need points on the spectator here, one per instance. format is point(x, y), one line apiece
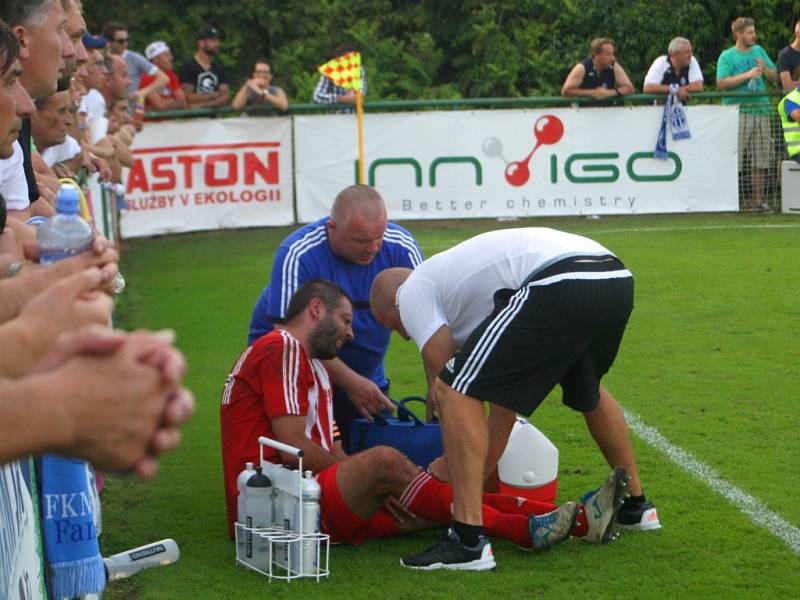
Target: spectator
point(789, 110)
point(170, 96)
point(93, 103)
point(116, 84)
point(41, 24)
point(75, 29)
point(137, 65)
point(328, 92)
point(203, 79)
point(50, 125)
point(741, 68)
point(349, 247)
point(600, 76)
point(789, 63)
point(258, 90)
point(678, 67)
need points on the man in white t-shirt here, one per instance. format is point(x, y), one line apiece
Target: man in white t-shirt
point(503, 317)
point(679, 67)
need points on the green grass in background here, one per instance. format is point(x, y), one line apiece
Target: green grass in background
point(710, 359)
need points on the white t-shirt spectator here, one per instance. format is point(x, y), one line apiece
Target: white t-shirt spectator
point(660, 65)
point(456, 287)
point(12, 181)
point(93, 105)
point(70, 148)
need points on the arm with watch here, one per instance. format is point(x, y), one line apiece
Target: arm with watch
point(274, 95)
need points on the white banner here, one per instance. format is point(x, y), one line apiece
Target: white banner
point(515, 163)
point(209, 174)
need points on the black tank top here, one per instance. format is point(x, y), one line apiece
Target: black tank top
point(592, 79)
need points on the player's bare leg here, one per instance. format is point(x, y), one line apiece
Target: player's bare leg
point(466, 441)
point(607, 425)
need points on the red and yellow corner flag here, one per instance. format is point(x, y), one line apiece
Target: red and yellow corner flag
point(344, 71)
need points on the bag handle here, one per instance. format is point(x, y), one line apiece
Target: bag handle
point(405, 414)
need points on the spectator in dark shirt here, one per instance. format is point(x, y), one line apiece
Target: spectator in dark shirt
point(258, 90)
point(789, 63)
point(202, 78)
point(599, 76)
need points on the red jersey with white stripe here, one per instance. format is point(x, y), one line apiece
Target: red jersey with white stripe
point(272, 378)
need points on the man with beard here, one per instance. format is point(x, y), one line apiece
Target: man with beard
point(202, 78)
point(280, 388)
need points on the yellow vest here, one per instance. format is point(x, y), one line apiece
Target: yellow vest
point(791, 129)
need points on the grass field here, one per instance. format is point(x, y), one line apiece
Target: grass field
point(710, 360)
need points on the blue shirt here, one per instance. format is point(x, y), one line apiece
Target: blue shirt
point(306, 255)
point(790, 107)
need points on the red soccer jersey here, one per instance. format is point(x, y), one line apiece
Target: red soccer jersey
point(272, 378)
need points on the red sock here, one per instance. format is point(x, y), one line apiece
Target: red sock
point(429, 498)
point(517, 505)
point(581, 526)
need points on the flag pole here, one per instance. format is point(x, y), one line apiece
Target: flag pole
point(360, 120)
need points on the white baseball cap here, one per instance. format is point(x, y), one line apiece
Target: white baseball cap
point(154, 49)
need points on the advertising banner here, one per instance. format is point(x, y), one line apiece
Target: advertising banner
point(202, 174)
point(521, 163)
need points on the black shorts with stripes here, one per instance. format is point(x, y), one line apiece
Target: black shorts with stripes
point(564, 326)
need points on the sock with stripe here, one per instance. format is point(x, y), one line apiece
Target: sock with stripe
point(429, 498)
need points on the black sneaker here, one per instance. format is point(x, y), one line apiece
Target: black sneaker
point(641, 518)
point(450, 553)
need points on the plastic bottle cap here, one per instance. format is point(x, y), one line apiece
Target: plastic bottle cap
point(68, 200)
point(248, 466)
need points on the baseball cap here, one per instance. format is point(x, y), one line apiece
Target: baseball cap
point(206, 32)
point(92, 42)
point(155, 48)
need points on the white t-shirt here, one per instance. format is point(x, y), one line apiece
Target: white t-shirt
point(456, 287)
point(13, 185)
point(660, 65)
point(68, 149)
point(93, 105)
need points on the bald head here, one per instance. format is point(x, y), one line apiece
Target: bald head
point(358, 199)
point(382, 297)
point(357, 223)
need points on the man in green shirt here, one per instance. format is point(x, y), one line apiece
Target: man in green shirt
point(745, 67)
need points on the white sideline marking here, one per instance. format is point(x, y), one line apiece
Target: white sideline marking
point(447, 243)
point(756, 510)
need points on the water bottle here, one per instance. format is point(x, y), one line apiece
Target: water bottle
point(241, 485)
point(310, 507)
point(241, 507)
point(258, 492)
point(752, 85)
point(65, 234)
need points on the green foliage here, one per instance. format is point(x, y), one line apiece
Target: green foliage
point(432, 49)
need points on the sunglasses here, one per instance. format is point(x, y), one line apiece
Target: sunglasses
point(122, 40)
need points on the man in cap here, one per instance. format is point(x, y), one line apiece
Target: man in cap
point(202, 78)
point(171, 95)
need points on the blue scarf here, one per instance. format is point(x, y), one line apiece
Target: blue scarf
point(674, 115)
point(75, 567)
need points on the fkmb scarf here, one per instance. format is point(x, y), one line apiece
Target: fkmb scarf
point(74, 565)
point(674, 115)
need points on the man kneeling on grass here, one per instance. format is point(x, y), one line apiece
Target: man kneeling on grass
point(279, 388)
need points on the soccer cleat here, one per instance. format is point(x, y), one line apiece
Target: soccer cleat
point(450, 553)
point(549, 529)
point(602, 505)
point(642, 518)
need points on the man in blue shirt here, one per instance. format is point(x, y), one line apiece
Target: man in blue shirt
point(350, 247)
